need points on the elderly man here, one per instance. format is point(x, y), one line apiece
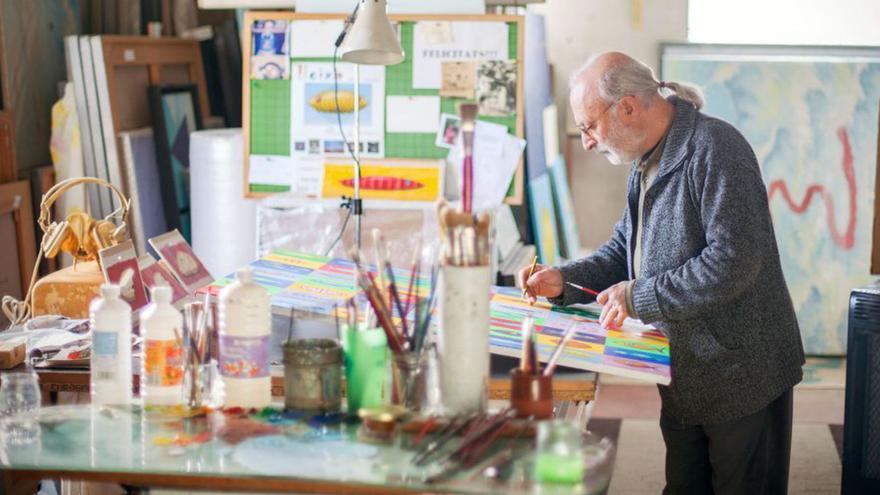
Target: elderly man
point(695, 255)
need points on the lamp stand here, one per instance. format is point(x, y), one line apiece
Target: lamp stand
point(357, 204)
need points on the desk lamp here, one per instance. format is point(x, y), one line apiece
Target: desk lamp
point(370, 40)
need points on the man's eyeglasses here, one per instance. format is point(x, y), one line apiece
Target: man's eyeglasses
point(590, 130)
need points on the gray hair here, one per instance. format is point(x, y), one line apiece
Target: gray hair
point(637, 79)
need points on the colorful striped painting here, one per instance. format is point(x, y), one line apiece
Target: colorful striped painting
point(300, 280)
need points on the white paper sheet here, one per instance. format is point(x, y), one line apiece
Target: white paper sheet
point(412, 114)
point(314, 38)
point(314, 129)
point(308, 178)
point(471, 40)
point(394, 6)
point(270, 170)
point(496, 155)
point(506, 232)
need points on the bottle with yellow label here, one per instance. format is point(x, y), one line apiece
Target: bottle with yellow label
point(162, 365)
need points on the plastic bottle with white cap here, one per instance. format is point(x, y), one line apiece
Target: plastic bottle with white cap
point(162, 364)
point(111, 370)
point(245, 315)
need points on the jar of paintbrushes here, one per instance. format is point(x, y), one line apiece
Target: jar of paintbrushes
point(463, 333)
point(200, 370)
point(397, 316)
point(531, 387)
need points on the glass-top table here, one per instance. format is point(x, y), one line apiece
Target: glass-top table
point(271, 451)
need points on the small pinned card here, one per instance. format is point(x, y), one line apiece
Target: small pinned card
point(458, 79)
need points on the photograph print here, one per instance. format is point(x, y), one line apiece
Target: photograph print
point(496, 87)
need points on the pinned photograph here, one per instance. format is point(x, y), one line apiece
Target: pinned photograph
point(299, 146)
point(334, 147)
point(450, 125)
point(459, 79)
point(270, 37)
point(496, 87)
point(314, 147)
point(270, 67)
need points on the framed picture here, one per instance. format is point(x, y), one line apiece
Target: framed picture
point(810, 114)
point(567, 223)
point(176, 115)
point(543, 214)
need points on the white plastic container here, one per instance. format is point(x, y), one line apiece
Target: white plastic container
point(162, 364)
point(463, 339)
point(111, 348)
point(245, 329)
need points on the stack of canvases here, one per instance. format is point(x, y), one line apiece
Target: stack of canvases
point(135, 124)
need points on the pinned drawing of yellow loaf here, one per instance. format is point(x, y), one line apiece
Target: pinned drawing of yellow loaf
point(325, 102)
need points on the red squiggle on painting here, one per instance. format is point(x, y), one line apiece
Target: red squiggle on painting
point(846, 239)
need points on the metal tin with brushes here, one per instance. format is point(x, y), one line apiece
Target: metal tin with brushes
point(313, 375)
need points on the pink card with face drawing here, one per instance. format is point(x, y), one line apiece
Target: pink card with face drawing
point(120, 266)
point(156, 273)
point(182, 261)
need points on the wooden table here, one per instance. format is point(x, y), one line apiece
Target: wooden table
point(572, 391)
point(574, 387)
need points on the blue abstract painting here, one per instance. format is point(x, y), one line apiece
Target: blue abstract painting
point(811, 115)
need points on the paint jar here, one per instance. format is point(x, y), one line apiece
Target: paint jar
point(313, 375)
point(202, 386)
point(559, 456)
point(366, 368)
point(463, 338)
point(531, 395)
point(408, 376)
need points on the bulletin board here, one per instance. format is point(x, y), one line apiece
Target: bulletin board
point(288, 80)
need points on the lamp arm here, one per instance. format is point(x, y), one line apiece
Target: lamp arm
point(349, 21)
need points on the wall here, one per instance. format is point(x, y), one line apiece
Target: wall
point(577, 29)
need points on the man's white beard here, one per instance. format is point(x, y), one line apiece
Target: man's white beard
point(616, 134)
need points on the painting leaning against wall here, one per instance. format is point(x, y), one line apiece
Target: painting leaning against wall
point(811, 115)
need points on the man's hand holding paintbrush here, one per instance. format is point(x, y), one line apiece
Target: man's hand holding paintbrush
point(543, 281)
point(547, 281)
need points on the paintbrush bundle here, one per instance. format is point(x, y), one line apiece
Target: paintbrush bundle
point(403, 316)
point(466, 238)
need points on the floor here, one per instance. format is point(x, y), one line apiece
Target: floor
point(628, 412)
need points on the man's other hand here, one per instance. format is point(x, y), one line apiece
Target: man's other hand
point(613, 301)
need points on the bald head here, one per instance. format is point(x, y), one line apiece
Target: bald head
point(617, 106)
point(613, 75)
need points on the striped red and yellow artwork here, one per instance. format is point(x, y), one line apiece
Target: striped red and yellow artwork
point(393, 180)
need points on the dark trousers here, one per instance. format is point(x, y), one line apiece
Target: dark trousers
point(748, 455)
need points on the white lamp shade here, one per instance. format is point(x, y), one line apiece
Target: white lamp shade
point(371, 40)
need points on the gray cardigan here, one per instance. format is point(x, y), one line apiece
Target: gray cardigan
point(710, 274)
